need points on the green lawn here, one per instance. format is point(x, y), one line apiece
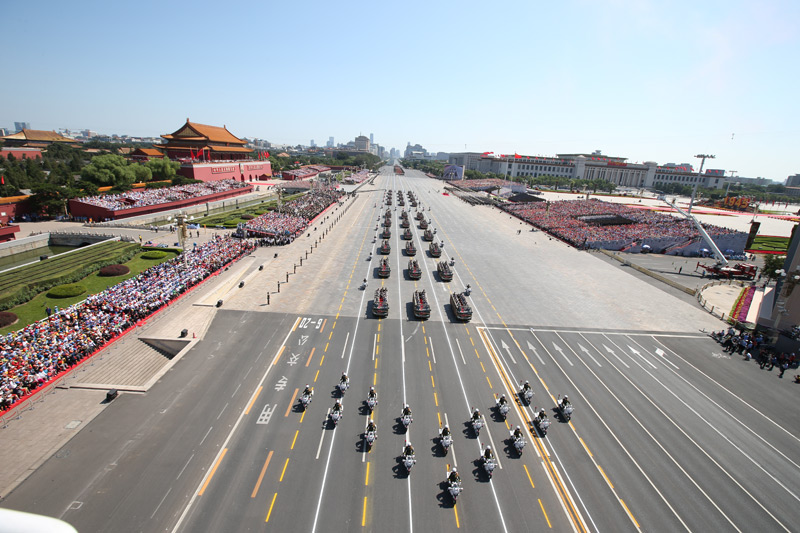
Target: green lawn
point(35, 309)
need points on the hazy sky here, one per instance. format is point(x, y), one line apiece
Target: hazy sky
point(658, 81)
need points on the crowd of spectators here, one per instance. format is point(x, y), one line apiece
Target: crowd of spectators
point(597, 224)
point(752, 346)
point(485, 184)
point(40, 351)
point(282, 227)
point(145, 197)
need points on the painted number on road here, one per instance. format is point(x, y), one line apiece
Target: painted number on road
point(266, 414)
point(281, 384)
point(305, 322)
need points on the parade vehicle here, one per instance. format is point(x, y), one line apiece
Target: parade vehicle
point(411, 249)
point(401, 202)
point(445, 274)
point(460, 307)
point(420, 216)
point(384, 269)
point(387, 222)
point(427, 236)
point(434, 250)
point(423, 224)
point(388, 213)
point(404, 214)
point(422, 308)
point(389, 200)
point(405, 224)
point(386, 234)
point(385, 248)
point(737, 271)
point(380, 305)
point(414, 272)
point(407, 234)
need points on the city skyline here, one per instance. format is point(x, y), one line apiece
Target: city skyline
point(634, 79)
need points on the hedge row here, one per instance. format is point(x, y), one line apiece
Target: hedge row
point(27, 292)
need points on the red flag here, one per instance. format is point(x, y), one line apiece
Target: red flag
point(2, 180)
point(191, 154)
point(487, 153)
point(517, 156)
point(267, 154)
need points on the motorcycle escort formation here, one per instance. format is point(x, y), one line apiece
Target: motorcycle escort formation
point(306, 397)
point(434, 250)
point(370, 434)
point(337, 412)
point(454, 486)
point(445, 273)
point(405, 417)
point(460, 307)
point(380, 305)
point(518, 439)
point(565, 407)
point(343, 385)
point(502, 406)
point(489, 461)
point(414, 272)
point(409, 458)
point(541, 421)
point(445, 439)
point(372, 400)
point(422, 309)
point(411, 250)
point(477, 422)
point(384, 270)
point(526, 392)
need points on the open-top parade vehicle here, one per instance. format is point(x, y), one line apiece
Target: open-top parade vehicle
point(407, 234)
point(422, 309)
point(386, 234)
point(434, 250)
point(388, 213)
point(411, 249)
point(404, 223)
point(384, 269)
point(427, 236)
point(739, 270)
point(420, 216)
point(380, 305)
point(387, 223)
point(461, 309)
point(385, 248)
point(423, 224)
point(445, 274)
point(414, 272)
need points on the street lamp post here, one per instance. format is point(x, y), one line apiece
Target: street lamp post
point(703, 158)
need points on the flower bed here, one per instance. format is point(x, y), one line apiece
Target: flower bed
point(742, 305)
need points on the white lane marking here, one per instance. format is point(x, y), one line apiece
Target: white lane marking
point(160, 503)
point(643, 358)
point(663, 356)
point(557, 348)
point(532, 348)
point(184, 466)
point(433, 354)
point(586, 351)
point(324, 429)
point(239, 385)
point(374, 345)
point(460, 352)
point(347, 338)
point(508, 351)
point(207, 432)
point(230, 434)
point(612, 352)
point(223, 410)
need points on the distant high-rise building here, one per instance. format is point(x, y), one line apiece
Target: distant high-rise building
point(313, 144)
point(793, 181)
point(371, 138)
point(19, 126)
point(329, 144)
point(362, 143)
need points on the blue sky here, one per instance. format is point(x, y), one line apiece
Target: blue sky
point(658, 81)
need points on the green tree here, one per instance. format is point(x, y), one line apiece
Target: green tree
point(773, 263)
point(48, 199)
point(163, 168)
point(113, 170)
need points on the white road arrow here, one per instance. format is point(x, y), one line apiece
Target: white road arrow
point(559, 350)
point(532, 348)
point(609, 350)
point(636, 352)
point(662, 354)
point(505, 347)
point(586, 351)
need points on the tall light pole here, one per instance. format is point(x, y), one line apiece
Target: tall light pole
point(703, 158)
point(733, 175)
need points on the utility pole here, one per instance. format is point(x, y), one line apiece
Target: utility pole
point(733, 175)
point(703, 158)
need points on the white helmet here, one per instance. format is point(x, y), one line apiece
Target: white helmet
point(372, 388)
point(370, 421)
point(566, 397)
point(541, 410)
point(454, 470)
point(338, 402)
point(446, 426)
point(517, 427)
point(489, 448)
point(526, 382)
